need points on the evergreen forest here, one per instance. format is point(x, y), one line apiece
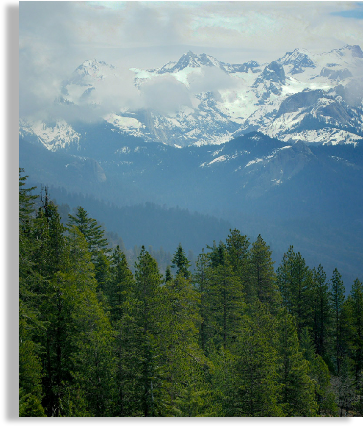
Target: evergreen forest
point(232, 337)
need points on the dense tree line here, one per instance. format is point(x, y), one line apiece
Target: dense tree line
point(231, 338)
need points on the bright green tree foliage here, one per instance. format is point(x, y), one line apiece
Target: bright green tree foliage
point(296, 397)
point(319, 374)
point(143, 312)
point(236, 253)
point(92, 231)
point(91, 335)
point(231, 339)
point(181, 358)
point(256, 368)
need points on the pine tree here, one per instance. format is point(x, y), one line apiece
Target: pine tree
point(236, 252)
point(97, 246)
point(168, 275)
point(138, 338)
point(50, 258)
point(225, 299)
point(256, 364)
point(262, 274)
point(181, 360)
point(50, 255)
point(337, 298)
point(356, 303)
point(181, 263)
point(321, 312)
point(320, 376)
point(30, 367)
point(102, 273)
point(201, 285)
point(294, 279)
point(26, 201)
point(88, 335)
point(120, 284)
point(296, 389)
point(92, 231)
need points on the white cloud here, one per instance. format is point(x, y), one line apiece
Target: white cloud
point(165, 94)
point(212, 79)
point(56, 37)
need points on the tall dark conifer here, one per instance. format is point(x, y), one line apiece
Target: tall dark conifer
point(337, 297)
point(321, 312)
point(181, 263)
point(262, 274)
point(294, 280)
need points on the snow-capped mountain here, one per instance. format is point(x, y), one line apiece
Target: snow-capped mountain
point(199, 100)
point(276, 148)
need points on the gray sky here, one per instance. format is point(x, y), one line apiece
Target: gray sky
point(56, 37)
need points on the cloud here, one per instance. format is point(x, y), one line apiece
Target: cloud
point(114, 93)
point(56, 37)
point(45, 39)
point(165, 94)
point(212, 79)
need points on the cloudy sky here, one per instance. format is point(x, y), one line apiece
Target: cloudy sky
point(56, 37)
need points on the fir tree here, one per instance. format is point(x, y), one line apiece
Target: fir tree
point(296, 389)
point(321, 312)
point(168, 275)
point(256, 363)
point(181, 263)
point(337, 300)
point(201, 285)
point(92, 231)
point(356, 303)
point(120, 284)
point(225, 299)
point(236, 253)
point(140, 352)
point(262, 274)
point(181, 360)
point(294, 280)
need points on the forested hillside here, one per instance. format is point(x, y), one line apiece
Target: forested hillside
point(232, 338)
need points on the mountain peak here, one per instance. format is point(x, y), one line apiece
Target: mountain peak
point(93, 67)
point(89, 71)
point(274, 72)
point(190, 54)
point(299, 59)
point(89, 62)
point(355, 50)
point(192, 60)
point(93, 63)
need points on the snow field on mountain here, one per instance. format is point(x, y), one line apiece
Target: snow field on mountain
point(217, 100)
point(53, 138)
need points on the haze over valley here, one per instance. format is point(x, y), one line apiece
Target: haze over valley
point(272, 148)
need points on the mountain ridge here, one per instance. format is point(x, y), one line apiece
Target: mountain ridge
point(206, 101)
